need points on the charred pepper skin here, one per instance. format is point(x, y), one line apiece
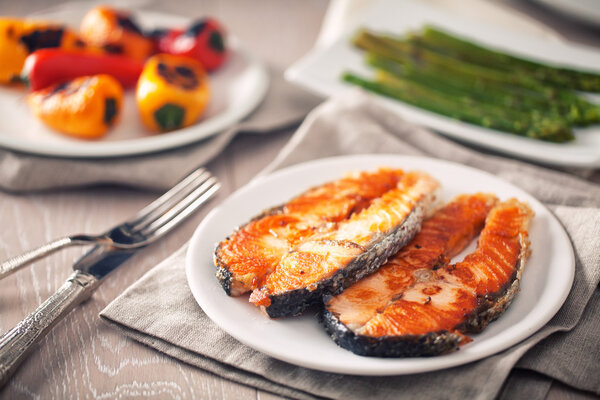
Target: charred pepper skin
point(85, 107)
point(204, 40)
point(21, 37)
point(116, 32)
point(172, 92)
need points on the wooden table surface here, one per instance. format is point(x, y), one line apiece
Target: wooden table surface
point(82, 357)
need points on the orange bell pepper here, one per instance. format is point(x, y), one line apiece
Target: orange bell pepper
point(116, 32)
point(85, 107)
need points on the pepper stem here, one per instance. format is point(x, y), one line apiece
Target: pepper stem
point(170, 116)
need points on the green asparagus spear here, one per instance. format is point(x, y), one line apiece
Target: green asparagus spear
point(539, 122)
point(440, 41)
point(576, 110)
point(456, 86)
point(401, 51)
point(398, 50)
point(574, 107)
point(533, 125)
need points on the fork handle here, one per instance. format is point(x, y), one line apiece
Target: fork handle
point(16, 263)
point(16, 343)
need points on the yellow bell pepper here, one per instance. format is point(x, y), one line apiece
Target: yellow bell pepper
point(172, 92)
point(116, 32)
point(85, 107)
point(21, 37)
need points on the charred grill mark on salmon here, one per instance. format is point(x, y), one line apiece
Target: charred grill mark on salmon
point(254, 250)
point(327, 263)
point(430, 316)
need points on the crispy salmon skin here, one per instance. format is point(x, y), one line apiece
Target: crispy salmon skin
point(419, 305)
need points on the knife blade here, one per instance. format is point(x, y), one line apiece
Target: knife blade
point(101, 260)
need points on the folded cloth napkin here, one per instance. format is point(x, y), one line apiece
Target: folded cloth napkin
point(19, 172)
point(567, 348)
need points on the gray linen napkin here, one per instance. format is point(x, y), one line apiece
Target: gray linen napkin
point(353, 124)
point(19, 172)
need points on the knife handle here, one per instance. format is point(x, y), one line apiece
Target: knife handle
point(16, 344)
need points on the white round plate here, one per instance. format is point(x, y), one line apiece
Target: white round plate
point(301, 340)
point(237, 88)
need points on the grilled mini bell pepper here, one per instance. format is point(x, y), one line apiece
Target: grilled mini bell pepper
point(204, 40)
point(85, 107)
point(116, 32)
point(172, 92)
point(49, 66)
point(21, 37)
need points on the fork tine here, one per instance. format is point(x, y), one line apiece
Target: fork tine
point(164, 202)
point(180, 211)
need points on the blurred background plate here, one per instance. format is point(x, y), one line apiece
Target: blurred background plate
point(320, 72)
point(237, 89)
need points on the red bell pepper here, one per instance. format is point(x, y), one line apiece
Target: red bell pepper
point(204, 40)
point(49, 66)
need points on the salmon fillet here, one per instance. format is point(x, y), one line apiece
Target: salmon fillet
point(253, 251)
point(442, 237)
point(434, 305)
point(328, 262)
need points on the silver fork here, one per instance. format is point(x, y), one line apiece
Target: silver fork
point(149, 224)
point(115, 246)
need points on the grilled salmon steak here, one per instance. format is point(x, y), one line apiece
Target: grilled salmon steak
point(253, 251)
point(442, 237)
point(328, 262)
point(418, 305)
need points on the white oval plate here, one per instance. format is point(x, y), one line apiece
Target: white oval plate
point(320, 71)
point(237, 88)
point(301, 340)
point(587, 11)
